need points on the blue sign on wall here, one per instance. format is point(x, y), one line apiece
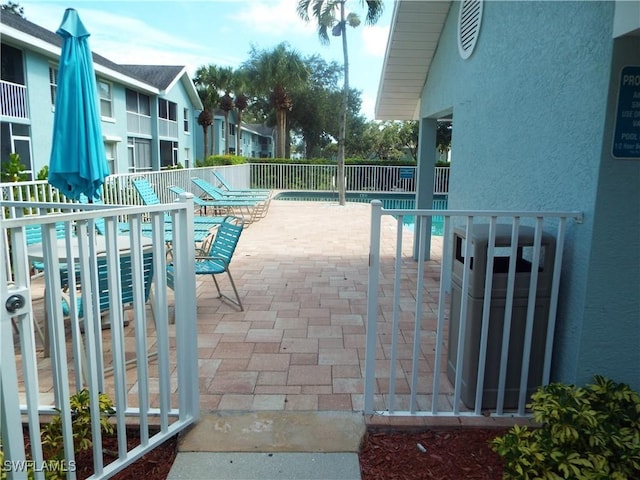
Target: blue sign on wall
point(626, 137)
point(406, 172)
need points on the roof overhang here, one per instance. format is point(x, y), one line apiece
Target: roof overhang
point(189, 87)
point(53, 52)
point(413, 39)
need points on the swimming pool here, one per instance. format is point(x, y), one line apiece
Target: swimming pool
point(389, 200)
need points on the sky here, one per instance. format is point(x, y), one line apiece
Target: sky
point(220, 32)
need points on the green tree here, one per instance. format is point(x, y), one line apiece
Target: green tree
point(443, 138)
point(13, 7)
point(277, 73)
point(388, 143)
point(330, 15)
point(408, 136)
point(313, 114)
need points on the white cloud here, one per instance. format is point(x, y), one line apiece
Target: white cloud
point(375, 39)
point(273, 18)
point(368, 106)
point(127, 40)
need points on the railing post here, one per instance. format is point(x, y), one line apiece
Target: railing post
point(185, 303)
point(372, 307)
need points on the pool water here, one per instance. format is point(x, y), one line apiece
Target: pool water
point(392, 200)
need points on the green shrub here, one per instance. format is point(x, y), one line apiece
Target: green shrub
point(585, 433)
point(43, 173)
point(52, 440)
point(13, 170)
point(54, 467)
point(3, 472)
point(215, 160)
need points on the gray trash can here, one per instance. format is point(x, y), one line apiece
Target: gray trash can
point(479, 243)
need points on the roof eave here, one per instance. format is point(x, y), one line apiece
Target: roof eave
point(53, 52)
point(413, 40)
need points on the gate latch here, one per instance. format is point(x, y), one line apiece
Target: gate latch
point(14, 303)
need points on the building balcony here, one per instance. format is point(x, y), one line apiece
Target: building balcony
point(13, 100)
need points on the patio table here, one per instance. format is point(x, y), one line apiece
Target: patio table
point(36, 253)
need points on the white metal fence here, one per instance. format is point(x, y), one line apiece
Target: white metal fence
point(359, 178)
point(476, 334)
point(149, 370)
point(118, 189)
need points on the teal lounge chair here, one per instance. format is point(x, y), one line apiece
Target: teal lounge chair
point(220, 193)
point(243, 208)
point(215, 256)
point(149, 197)
point(242, 191)
point(260, 205)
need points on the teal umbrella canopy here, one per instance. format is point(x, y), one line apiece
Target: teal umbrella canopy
point(78, 163)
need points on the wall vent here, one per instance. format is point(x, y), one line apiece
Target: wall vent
point(469, 26)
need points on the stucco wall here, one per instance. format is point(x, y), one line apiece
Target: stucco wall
point(40, 108)
point(611, 331)
point(179, 95)
point(529, 110)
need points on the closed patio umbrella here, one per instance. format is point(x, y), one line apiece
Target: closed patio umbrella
point(78, 164)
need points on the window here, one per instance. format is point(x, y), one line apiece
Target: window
point(232, 129)
point(12, 68)
point(15, 138)
point(187, 158)
point(167, 110)
point(53, 83)
point(138, 103)
point(168, 154)
point(186, 120)
point(106, 102)
point(111, 151)
point(139, 153)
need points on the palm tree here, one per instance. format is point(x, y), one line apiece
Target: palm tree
point(225, 81)
point(277, 73)
point(207, 84)
point(241, 102)
point(330, 14)
point(205, 120)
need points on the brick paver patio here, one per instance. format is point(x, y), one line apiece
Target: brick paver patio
point(302, 274)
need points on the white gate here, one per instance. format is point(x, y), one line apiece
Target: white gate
point(470, 333)
point(148, 369)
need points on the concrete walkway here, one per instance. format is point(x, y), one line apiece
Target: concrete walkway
point(271, 445)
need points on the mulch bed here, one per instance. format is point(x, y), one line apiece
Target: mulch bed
point(446, 454)
point(156, 464)
point(443, 454)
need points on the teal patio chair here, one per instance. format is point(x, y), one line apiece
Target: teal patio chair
point(258, 192)
point(149, 197)
point(126, 290)
point(214, 257)
point(33, 235)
